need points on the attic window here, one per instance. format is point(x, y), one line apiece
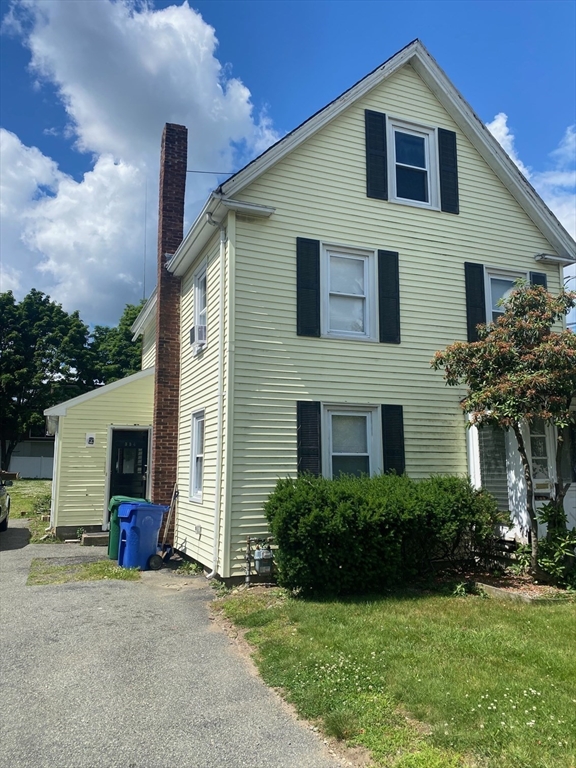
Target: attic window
point(413, 164)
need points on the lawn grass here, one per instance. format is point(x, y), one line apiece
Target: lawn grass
point(424, 680)
point(45, 570)
point(31, 499)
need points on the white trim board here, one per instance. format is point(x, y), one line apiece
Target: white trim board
point(62, 408)
point(146, 314)
point(215, 210)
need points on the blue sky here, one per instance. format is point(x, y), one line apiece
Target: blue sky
point(87, 86)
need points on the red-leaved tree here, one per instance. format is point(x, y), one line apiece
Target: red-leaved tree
point(519, 370)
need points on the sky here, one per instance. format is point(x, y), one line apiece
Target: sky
point(87, 85)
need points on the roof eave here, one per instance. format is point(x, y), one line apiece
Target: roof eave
point(309, 127)
point(147, 314)
point(463, 115)
point(492, 152)
point(416, 54)
point(202, 231)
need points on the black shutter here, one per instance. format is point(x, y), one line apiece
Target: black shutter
point(393, 438)
point(309, 440)
point(376, 168)
point(307, 287)
point(475, 298)
point(539, 278)
point(448, 171)
point(388, 297)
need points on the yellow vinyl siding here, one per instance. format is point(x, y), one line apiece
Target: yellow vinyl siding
point(319, 191)
point(82, 471)
point(149, 345)
point(199, 391)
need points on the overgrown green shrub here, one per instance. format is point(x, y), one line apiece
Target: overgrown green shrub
point(557, 552)
point(358, 534)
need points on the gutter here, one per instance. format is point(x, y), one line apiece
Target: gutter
point(216, 207)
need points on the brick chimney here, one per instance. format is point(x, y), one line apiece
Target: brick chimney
point(167, 374)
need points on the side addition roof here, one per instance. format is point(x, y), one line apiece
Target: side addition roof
point(62, 408)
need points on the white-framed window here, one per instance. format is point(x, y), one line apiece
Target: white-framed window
point(540, 451)
point(197, 456)
point(349, 292)
point(198, 334)
point(499, 284)
point(352, 440)
point(413, 164)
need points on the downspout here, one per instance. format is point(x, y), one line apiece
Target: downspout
point(55, 472)
point(220, 400)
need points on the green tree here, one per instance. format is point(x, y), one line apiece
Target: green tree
point(520, 370)
point(115, 355)
point(44, 359)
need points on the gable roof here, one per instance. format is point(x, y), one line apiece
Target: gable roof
point(416, 55)
point(62, 408)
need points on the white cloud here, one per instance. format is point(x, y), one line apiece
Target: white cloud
point(121, 70)
point(27, 176)
point(557, 185)
point(499, 129)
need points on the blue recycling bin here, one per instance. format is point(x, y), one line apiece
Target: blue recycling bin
point(139, 528)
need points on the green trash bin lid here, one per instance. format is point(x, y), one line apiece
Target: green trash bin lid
point(114, 529)
point(115, 501)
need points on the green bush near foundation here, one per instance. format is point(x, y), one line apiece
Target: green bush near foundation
point(365, 534)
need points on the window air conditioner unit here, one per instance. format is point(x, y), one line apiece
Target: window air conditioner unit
point(201, 334)
point(197, 338)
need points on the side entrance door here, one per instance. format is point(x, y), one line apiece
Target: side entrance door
point(129, 463)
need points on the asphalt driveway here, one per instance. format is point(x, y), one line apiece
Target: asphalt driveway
point(132, 674)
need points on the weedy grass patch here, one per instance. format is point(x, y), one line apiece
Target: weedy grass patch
point(189, 568)
point(24, 495)
point(44, 570)
point(31, 499)
point(423, 679)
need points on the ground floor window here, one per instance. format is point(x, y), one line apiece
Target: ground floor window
point(352, 441)
point(493, 470)
point(197, 456)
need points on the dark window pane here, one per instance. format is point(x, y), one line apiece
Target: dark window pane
point(410, 150)
point(411, 184)
point(492, 444)
point(350, 465)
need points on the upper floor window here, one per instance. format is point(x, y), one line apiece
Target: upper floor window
point(198, 334)
point(499, 286)
point(485, 287)
point(348, 278)
point(346, 292)
point(413, 164)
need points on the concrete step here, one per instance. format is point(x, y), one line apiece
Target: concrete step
point(95, 539)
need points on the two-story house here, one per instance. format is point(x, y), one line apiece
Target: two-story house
point(293, 326)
